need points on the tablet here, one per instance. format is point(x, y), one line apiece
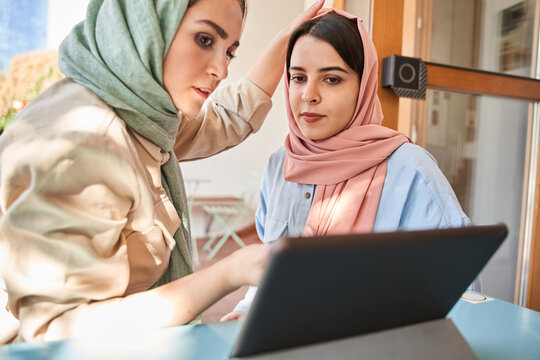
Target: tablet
point(318, 289)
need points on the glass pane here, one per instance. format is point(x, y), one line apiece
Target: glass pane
point(491, 35)
point(480, 145)
point(23, 29)
point(18, 36)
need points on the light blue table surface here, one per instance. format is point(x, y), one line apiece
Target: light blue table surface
point(494, 329)
point(498, 329)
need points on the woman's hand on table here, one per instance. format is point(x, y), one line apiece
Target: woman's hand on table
point(233, 315)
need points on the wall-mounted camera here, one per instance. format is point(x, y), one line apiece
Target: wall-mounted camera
point(406, 76)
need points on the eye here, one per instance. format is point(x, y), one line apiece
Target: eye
point(333, 80)
point(204, 40)
point(230, 56)
point(298, 78)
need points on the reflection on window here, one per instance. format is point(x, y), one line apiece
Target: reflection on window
point(480, 145)
point(451, 133)
point(491, 35)
point(516, 36)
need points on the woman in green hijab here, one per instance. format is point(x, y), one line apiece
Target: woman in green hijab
point(93, 225)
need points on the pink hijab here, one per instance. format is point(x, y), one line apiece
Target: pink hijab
point(348, 168)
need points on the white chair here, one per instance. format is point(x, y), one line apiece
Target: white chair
point(229, 216)
point(192, 185)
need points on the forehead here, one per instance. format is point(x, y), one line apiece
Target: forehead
point(314, 52)
point(227, 14)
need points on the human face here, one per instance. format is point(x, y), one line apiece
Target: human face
point(201, 51)
point(323, 89)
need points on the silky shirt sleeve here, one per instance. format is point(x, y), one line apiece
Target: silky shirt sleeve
point(416, 195)
point(231, 113)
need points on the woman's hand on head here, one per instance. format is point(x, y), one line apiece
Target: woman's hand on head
point(304, 16)
point(268, 70)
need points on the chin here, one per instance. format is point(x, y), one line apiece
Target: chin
point(311, 135)
point(190, 111)
point(316, 137)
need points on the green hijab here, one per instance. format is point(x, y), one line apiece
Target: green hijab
point(117, 52)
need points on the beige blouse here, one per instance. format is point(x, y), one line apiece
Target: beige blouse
point(84, 220)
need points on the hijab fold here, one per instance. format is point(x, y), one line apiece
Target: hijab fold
point(118, 53)
point(348, 168)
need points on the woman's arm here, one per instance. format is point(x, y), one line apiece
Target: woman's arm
point(232, 113)
point(182, 300)
point(68, 269)
point(78, 225)
point(268, 70)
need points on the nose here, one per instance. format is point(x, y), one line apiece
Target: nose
point(219, 67)
point(311, 93)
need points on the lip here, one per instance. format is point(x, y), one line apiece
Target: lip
point(203, 91)
point(310, 117)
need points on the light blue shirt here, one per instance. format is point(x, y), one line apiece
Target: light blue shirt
point(415, 196)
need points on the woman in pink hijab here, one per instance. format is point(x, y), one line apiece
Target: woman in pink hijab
point(340, 170)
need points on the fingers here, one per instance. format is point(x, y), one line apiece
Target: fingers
point(316, 7)
point(309, 12)
point(233, 315)
point(304, 16)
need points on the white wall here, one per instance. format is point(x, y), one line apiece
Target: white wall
point(63, 15)
point(362, 9)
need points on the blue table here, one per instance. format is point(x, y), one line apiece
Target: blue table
point(498, 329)
point(494, 330)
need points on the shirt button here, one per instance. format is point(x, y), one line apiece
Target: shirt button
point(307, 195)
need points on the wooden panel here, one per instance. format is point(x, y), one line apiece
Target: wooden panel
point(387, 34)
point(533, 292)
point(339, 4)
point(450, 78)
point(423, 39)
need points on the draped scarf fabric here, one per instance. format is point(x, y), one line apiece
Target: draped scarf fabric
point(348, 168)
point(118, 53)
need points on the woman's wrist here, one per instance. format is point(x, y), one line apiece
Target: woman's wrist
point(227, 270)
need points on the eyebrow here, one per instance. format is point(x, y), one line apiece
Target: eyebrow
point(321, 70)
point(222, 33)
